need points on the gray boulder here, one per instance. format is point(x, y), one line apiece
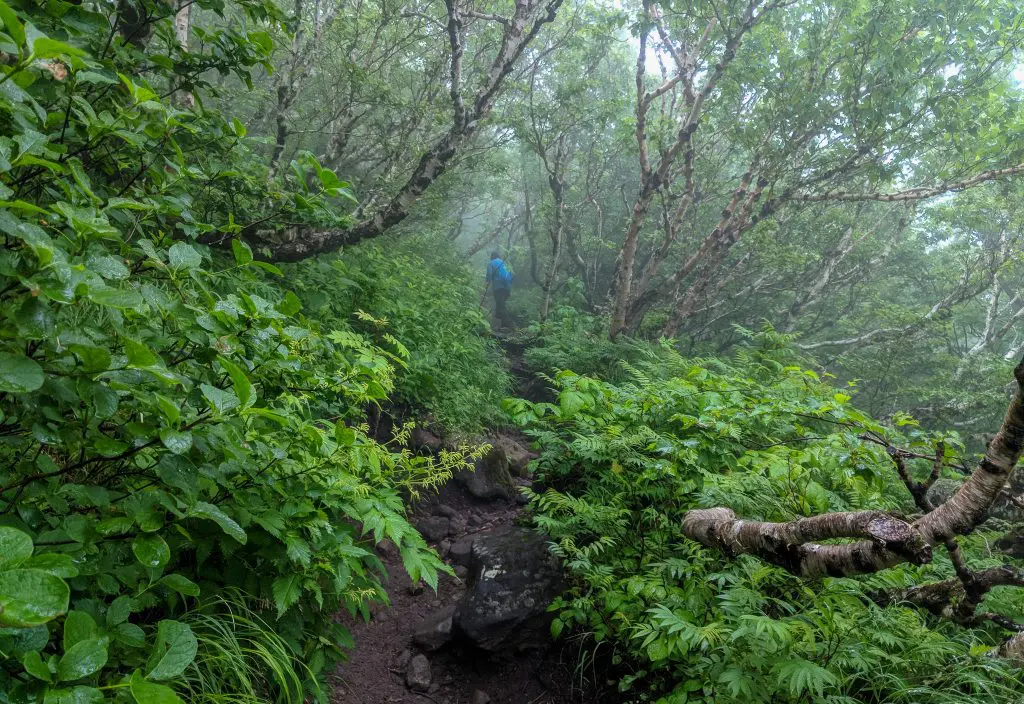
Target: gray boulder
point(1012, 543)
point(433, 528)
point(435, 631)
point(516, 453)
point(491, 479)
point(513, 578)
point(446, 511)
point(425, 441)
point(417, 676)
point(461, 551)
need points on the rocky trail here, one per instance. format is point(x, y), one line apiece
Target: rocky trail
point(483, 637)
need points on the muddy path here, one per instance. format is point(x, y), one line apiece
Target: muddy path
point(380, 669)
point(377, 670)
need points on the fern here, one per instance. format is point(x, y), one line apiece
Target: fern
point(622, 463)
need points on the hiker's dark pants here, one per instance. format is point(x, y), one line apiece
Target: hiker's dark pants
point(500, 311)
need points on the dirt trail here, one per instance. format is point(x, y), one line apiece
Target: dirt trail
point(376, 670)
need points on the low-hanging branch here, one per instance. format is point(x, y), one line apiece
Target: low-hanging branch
point(910, 194)
point(886, 543)
point(467, 116)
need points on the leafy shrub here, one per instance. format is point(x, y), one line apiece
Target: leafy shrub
point(624, 462)
point(171, 425)
point(418, 292)
point(571, 339)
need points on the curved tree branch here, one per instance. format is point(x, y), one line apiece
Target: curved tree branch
point(910, 194)
point(888, 544)
point(524, 25)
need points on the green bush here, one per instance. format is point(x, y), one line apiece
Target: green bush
point(622, 464)
point(571, 339)
point(171, 426)
point(418, 292)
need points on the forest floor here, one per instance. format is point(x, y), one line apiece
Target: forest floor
point(376, 670)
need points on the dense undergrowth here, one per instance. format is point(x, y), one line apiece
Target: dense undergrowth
point(188, 489)
point(622, 462)
point(409, 290)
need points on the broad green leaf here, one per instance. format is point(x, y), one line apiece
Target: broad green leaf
point(215, 514)
point(31, 597)
point(267, 267)
point(290, 304)
point(242, 252)
point(35, 320)
point(182, 256)
point(181, 584)
point(286, 590)
point(78, 626)
point(34, 665)
point(46, 48)
point(82, 659)
point(145, 692)
point(168, 408)
point(119, 610)
point(178, 442)
point(239, 380)
point(107, 266)
point(18, 642)
point(57, 564)
point(15, 547)
point(139, 354)
point(73, 695)
point(345, 435)
point(557, 625)
point(93, 359)
point(151, 550)
point(13, 25)
point(130, 635)
point(174, 651)
point(29, 142)
point(124, 299)
point(221, 401)
point(19, 374)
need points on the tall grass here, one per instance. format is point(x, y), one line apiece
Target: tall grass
point(241, 659)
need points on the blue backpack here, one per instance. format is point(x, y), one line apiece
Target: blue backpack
point(500, 275)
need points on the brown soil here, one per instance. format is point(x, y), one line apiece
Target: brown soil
point(374, 673)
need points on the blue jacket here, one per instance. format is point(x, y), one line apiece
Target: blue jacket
point(498, 276)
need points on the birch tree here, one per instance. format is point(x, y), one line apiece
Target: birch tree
point(815, 122)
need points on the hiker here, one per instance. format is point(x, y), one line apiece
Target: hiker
point(499, 278)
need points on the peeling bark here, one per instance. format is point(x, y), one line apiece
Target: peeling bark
point(182, 25)
point(791, 545)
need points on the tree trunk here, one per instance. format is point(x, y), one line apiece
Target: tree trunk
point(182, 25)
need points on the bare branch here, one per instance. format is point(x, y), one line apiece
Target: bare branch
point(489, 17)
point(911, 194)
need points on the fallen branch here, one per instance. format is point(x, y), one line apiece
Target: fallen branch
point(894, 543)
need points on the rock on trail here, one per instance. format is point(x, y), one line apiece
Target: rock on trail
point(483, 638)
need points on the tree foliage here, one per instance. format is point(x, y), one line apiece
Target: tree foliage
point(173, 427)
point(203, 439)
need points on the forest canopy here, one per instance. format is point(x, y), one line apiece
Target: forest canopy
point(767, 264)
